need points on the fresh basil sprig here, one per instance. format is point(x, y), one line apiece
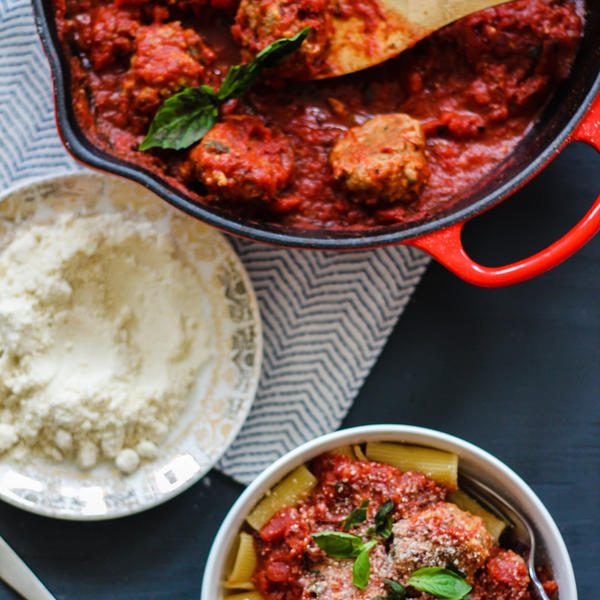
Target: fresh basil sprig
point(396, 591)
point(183, 119)
point(187, 116)
point(240, 78)
point(361, 571)
point(356, 516)
point(441, 583)
point(338, 544)
point(383, 521)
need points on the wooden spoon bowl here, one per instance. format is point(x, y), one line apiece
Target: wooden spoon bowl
point(358, 43)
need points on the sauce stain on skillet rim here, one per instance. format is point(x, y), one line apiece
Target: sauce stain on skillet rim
point(474, 462)
point(560, 118)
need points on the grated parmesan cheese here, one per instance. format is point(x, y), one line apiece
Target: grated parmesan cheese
point(102, 337)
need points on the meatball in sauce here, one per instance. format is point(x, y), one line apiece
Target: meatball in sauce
point(382, 160)
point(244, 159)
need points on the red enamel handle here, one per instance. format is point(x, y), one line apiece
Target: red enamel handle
point(446, 245)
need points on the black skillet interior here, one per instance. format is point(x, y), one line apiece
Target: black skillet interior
point(558, 120)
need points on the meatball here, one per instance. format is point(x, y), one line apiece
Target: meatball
point(384, 159)
point(259, 23)
point(243, 159)
point(167, 58)
point(332, 579)
point(505, 577)
point(108, 35)
point(440, 536)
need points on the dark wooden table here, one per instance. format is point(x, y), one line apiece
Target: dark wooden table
point(516, 371)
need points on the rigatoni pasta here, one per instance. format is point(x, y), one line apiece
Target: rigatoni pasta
point(244, 596)
point(286, 494)
point(344, 451)
point(358, 452)
point(493, 524)
point(244, 564)
point(436, 464)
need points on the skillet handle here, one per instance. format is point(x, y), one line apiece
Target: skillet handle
point(446, 245)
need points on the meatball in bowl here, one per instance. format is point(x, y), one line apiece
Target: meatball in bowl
point(386, 512)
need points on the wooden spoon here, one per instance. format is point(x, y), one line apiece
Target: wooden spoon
point(359, 42)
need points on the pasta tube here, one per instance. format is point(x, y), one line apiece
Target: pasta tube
point(358, 451)
point(244, 565)
point(245, 596)
point(440, 466)
point(287, 493)
point(344, 451)
point(493, 524)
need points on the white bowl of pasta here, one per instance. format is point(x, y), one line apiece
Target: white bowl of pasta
point(375, 512)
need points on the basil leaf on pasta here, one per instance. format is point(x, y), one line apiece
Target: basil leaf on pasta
point(441, 583)
point(338, 544)
point(383, 520)
point(361, 571)
point(356, 516)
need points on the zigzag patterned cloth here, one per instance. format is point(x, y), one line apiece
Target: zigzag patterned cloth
point(326, 316)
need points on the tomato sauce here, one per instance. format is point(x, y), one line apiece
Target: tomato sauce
point(289, 560)
point(285, 545)
point(476, 87)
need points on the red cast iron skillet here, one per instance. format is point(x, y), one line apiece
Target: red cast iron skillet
point(572, 115)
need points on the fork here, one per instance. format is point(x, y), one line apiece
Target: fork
point(515, 518)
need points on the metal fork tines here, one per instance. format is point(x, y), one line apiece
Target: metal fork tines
point(520, 528)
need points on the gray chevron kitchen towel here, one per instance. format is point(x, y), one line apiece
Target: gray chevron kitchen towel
point(326, 316)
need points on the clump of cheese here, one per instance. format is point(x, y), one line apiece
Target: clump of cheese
point(102, 335)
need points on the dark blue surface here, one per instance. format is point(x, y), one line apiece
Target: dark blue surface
point(516, 371)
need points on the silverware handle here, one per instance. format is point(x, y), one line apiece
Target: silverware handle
point(19, 576)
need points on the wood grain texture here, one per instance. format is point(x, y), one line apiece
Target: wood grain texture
point(433, 14)
point(403, 23)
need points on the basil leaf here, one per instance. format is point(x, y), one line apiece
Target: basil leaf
point(383, 520)
point(441, 583)
point(356, 516)
point(397, 590)
point(454, 569)
point(361, 571)
point(183, 119)
point(337, 544)
point(187, 116)
point(240, 78)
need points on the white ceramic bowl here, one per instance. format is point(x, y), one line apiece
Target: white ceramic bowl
point(473, 461)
